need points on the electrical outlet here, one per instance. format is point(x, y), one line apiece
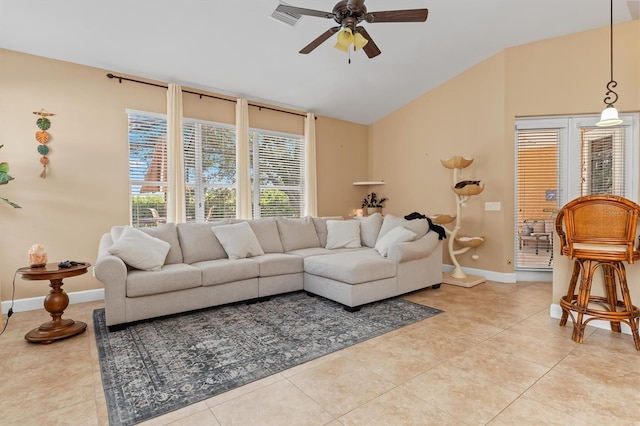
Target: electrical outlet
point(492, 206)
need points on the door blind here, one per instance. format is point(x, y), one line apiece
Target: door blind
point(537, 189)
point(602, 161)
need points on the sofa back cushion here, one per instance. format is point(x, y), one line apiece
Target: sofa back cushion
point(166, 232)
point(199, 243)
point(369, 229)
point(419, 226)
point(320, 223)
point(266, 231)
point(297, 233)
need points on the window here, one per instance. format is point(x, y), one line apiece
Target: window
point(277, 170)
point(147, 168)
point(209, 163)
point(277, 173)
point(210, 170)
point(602, 170)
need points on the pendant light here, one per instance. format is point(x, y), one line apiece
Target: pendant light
point(609, 116)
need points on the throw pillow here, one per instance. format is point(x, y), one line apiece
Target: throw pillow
point(238, 240)
point(399, 234)
point(343, 234)
point(297, 233)
point(169, 233)
point(320, 224)
point(419, 226)
point(140, 250)
point(369, 229)
point(266, 232)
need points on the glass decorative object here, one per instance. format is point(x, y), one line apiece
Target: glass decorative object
point(37, 256)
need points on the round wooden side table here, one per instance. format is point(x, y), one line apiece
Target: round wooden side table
point(55, 303)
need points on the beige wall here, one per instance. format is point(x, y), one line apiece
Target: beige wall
point(464, 116)
point(86, 190)
point(474, 114)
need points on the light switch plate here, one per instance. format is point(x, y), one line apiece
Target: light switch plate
point(492, 206)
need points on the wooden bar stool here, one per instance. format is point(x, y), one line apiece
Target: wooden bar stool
point(599, 232)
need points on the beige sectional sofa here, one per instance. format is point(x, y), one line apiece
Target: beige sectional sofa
point(152, 272)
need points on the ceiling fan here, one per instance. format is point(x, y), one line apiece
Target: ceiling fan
point(349, 14)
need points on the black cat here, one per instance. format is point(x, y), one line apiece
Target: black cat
point(464, 183)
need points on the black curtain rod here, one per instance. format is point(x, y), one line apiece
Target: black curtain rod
point(120, 78)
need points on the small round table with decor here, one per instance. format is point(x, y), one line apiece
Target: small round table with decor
point(55, 303)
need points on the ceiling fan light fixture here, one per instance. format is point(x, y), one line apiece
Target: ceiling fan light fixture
point(344, 39)
point(359, 41)
point(609, 117)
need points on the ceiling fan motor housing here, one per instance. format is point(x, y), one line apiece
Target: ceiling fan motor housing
point(349, 13)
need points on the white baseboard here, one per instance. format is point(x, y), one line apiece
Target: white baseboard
point(33, 303)
point(500, 277)
point(555, 311)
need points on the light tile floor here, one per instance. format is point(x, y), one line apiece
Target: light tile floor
point(494, 357)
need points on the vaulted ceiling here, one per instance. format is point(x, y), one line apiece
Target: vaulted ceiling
point(234, 47)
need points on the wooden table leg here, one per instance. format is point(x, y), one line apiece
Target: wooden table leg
point(55, 303)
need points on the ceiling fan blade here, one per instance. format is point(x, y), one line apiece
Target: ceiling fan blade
point(284, 8)
point(318, 41)
point(410, 15)
point(371, 49)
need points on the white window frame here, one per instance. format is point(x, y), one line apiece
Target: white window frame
point(255, 181)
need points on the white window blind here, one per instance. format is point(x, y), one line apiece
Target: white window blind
point(147, 168)
point(603, 167)
point(210, 170)
point(277, 173)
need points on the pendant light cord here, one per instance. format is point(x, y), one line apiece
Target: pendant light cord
point(611, 96)
point(611, 38)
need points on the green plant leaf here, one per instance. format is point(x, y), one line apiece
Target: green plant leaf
point(4, 167)
point(11, 203)
point(4, 178)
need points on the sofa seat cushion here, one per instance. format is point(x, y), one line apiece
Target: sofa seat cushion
point(318, 251)
point(354, 268)
point(274, 264)
point(173, 277)
point(222, 271)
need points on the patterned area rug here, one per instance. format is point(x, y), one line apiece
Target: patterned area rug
point(157, 366)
